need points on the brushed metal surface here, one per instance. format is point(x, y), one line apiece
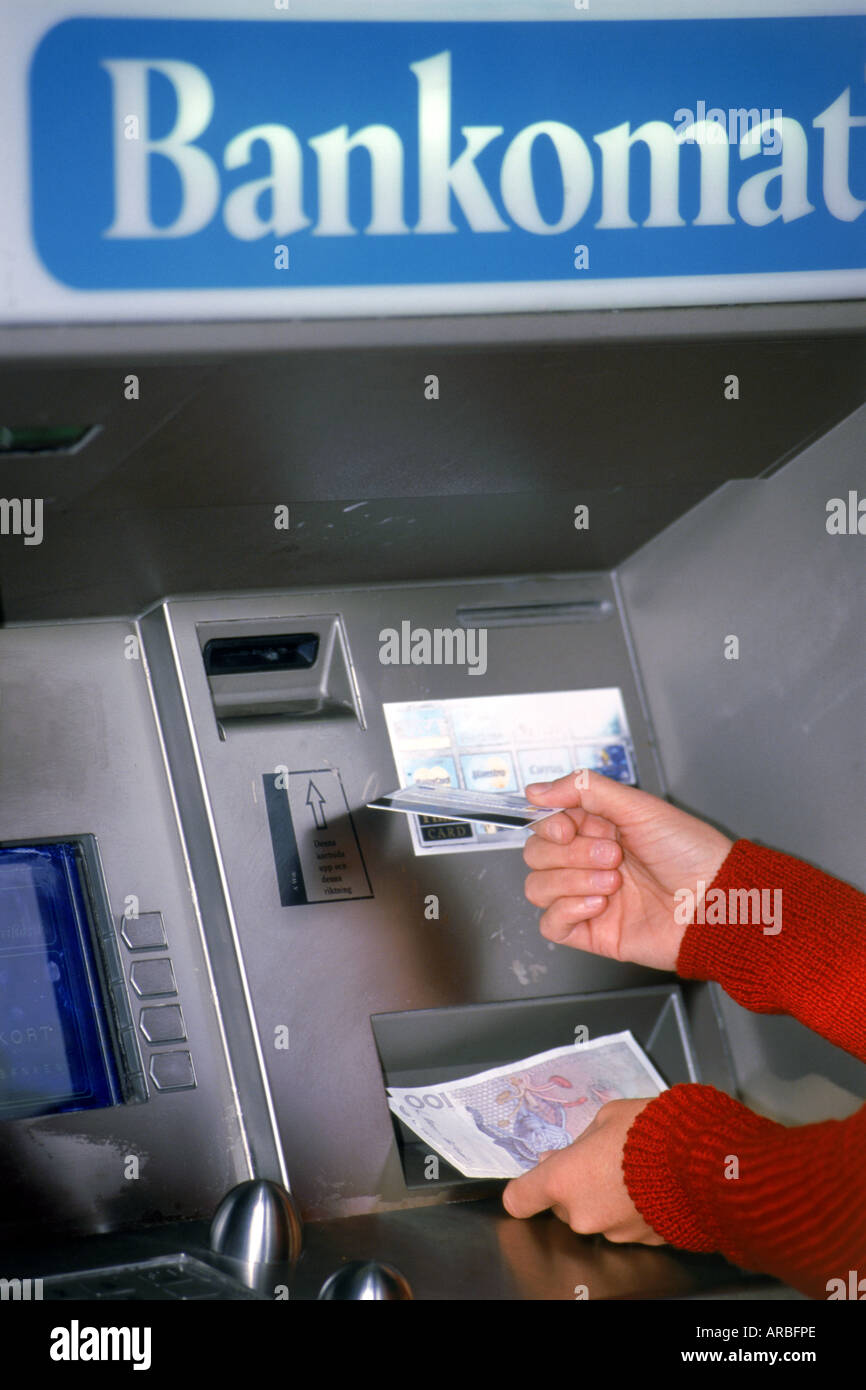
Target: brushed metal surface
point(770, 746)
point(51, 341)
point(79, 752)
point(383, 485)
point(320, 970)
point(463, 1251)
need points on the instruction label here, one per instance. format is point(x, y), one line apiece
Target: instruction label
point(316, 851)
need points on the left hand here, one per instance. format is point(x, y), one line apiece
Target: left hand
point(584, 1185)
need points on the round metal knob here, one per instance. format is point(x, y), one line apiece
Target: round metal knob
point(366, 1279)
point(257, 1231)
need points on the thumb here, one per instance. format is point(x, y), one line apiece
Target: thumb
point(531, 1193)
point(599, 795)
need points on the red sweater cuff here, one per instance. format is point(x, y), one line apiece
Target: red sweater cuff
point(707, 1174)
point(687, 1129)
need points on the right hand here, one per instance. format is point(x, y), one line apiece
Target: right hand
point(606, 871)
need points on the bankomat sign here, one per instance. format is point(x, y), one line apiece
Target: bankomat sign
point(223, 155)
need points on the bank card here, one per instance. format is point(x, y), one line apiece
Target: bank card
point(452, 803)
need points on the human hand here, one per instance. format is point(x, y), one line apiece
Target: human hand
point(584, 1184)
point(606, 872)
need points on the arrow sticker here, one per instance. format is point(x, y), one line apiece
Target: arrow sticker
point(316, 851)
point(316, 801)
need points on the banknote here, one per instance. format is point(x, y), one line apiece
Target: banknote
point(501, 1122)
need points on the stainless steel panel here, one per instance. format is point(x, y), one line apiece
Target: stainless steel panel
point(46, 342)
point(465, 1250)
point(320, 970)
point(79, 752)
point(382, 484)
point(770, 746)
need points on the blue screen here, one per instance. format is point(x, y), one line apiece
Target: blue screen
point(55, 1048)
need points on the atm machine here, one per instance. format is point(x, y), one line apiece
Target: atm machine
point(214, 956)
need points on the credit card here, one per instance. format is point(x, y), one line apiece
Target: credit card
point(451, 803)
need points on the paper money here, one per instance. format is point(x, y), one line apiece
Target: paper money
point(500, 1123)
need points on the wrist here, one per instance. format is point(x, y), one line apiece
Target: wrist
point(674, 1161)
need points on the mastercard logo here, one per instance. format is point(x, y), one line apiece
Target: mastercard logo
point(439, 775)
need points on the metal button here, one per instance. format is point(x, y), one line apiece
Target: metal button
point(172, 1071)
point(145, 932)
point(162, 1023)
point(151, 977)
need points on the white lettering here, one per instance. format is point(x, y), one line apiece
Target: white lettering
point(198, 175)
point(793, 203)
point(439, 178)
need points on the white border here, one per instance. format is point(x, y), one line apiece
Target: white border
point(377, 301)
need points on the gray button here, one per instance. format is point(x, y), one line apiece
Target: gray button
point(145, 932)
point(151, 977)
point(162, 1023)
point(172, 1071)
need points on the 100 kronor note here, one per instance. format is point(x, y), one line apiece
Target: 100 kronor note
point(500, 1123)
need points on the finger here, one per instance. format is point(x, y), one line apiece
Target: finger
point(564, 827)
point(582, 853)
point(592, 791)
point(568, 921)
point(531, 1193)
point(565, 791)
point(543, 889)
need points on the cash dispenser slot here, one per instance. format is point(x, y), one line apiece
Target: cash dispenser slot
point(290, 668)
point(435, 1045)
point(234, 656)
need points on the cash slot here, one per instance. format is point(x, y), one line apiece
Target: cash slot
point(436, 1045)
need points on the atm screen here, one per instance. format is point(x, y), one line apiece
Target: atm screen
point(56, 1050)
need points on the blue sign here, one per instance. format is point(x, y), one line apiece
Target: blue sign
point(216, 154)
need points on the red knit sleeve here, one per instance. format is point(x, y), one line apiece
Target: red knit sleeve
point(708, 1174)
point(809, 962)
